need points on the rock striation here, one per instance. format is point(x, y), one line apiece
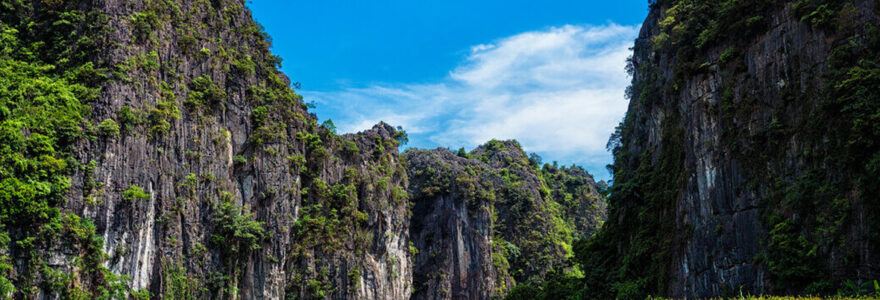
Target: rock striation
point(189, 168)
point(740, 163)
point(486, 220)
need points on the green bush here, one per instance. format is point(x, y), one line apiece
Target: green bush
point(108, 128)
point(129, 119)
point(314, 144)
point(142, 24)
point(161, 116)
point(329, 126)
point(816, 13)
point(185, 41)
point(135, 193)
point(727, 55)
point(259, 115)
point(330, 216)
point(463, 153)
point(203, 93)
point(350, 148)
point(179, 284)
point(244, 65)
point(400, 136)
point(235, 230)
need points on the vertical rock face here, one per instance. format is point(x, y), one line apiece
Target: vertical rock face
point(189, 169)
point(744, 137)
point(486, 220)
point(451, 231)
point(218, 182)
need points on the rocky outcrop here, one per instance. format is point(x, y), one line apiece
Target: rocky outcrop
point(739, 139)
point(485, 220)
point(221, 184)
point(452, 228)
point(190, 169)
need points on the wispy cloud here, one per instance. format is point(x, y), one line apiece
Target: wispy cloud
point(559, 91)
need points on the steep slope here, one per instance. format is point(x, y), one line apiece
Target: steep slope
point(748, 158)
point(152, 150)
point(487, 219)
point(205, 176)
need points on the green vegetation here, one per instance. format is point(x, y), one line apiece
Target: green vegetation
point(329, 126)
point(244, 66)
point(108, 128)
point(42, 115)
point(534, 227)
point(642, 188)
point(203, 94)
point(754, 297)
point(314, 145)
point(142, 24)
point(329, 216)
point(463, 153)
point(529, 252)
point(129, 119)
point(165, 112)
point(53, 62)
point(350, 148)
point(178, 284)
point(236, 234)
point(807, 212)
point(691, 26)
point(135, 193)
point(147, 62)
point(44, 94)
point(333, 218)
point(579, 202)
point(235, 230)
point(268, 129)
point(400, 136)
point(844, 134)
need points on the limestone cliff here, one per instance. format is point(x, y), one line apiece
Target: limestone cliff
point(486, 220)
point(746, 161)
point(155, 151)
point(219, 183)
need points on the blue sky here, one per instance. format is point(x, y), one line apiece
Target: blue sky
point(458, 73)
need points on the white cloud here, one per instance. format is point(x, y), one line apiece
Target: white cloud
point(559, 91)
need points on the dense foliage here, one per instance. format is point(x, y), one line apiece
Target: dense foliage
point(48, 81)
